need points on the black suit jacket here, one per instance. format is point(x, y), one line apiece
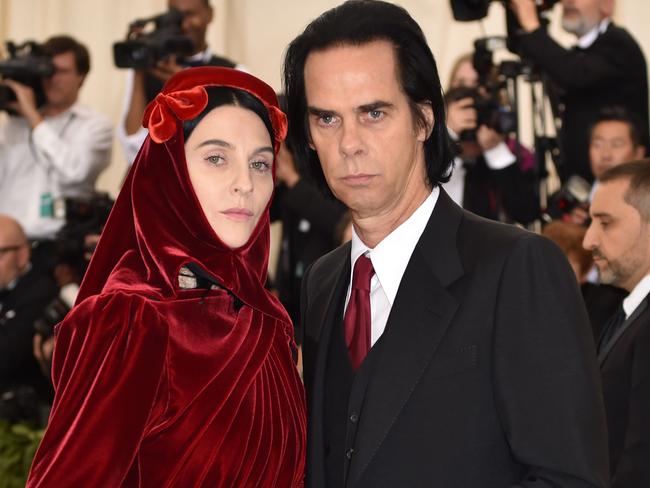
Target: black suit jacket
point(612, 71)
point(625, 367)
point(18, 311)
point(487, 375)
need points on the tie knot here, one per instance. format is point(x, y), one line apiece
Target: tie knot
point(362, 275)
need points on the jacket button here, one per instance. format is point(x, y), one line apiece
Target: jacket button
point(353, 418)
point(348, 453)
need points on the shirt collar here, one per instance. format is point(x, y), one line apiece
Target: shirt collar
point(590, 37)
point(391, 256)
point(636, 296)
point(202, 56)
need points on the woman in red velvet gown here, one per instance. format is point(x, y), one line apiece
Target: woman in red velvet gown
point(176, 367)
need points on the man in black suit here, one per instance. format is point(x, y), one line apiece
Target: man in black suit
point(24, 293)
point(606, 68)
point(461, 355)
point(619, 239)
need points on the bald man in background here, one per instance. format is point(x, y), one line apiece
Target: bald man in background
point(24, 294)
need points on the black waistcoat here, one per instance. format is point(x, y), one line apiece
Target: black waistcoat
point(343, 403)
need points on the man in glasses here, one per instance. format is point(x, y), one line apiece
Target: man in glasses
point(24, 293)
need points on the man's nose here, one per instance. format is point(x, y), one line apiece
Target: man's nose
point(351, 143)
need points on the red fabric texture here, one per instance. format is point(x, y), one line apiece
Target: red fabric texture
point(158, 386)
point(357, 318)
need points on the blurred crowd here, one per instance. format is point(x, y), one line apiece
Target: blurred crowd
point(52, 149)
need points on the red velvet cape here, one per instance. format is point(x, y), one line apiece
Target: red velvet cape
point(158, 386)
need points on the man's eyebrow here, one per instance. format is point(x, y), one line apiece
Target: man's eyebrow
point(600, 215)
point(369, 107)
point(320, 112)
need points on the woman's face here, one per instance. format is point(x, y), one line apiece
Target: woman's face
point(229, 158)
point(465, 75)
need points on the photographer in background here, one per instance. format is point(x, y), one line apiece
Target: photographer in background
point(143, 85)
point(55, 150)
point(493, 175)
point(24, 294)
point(606, 68)
point(614, 139)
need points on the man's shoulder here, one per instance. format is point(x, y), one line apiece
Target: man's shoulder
point(221, 61)
point(619, 38)
point(330, 264)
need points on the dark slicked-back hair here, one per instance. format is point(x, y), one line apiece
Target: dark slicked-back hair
point(638, 175)
point(355, 23)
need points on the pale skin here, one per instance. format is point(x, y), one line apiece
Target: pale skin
point(362, 128)
point(230, 161)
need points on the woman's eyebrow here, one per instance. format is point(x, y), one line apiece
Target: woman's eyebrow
point(215, 142)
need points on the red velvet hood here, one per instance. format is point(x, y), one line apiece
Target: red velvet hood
point(157, 224)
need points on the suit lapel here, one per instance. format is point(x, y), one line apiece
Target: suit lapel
point(323, 311)
point(626, 325)
point(418, 320)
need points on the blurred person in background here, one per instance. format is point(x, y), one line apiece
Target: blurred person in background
point(53, 151)
point(142, 86)
point(615, 138)
point(309, 222)
point(493, 176)
point(24, 293)
point(619, 240)
point(605, 68)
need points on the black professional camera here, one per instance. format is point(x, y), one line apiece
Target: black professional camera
point(574, 193)
point(489, 111)
point(470, 10)
point(83, 217)
point(143, 50)
point(28, 65)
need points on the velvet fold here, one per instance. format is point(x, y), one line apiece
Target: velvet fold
point(158, 386)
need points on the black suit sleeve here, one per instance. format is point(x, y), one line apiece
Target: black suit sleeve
point(548, 390)
point(633, 469)
point(572, 69)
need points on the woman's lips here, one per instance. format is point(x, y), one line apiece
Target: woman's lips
point(239, 214)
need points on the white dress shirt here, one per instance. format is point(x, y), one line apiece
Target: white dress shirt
point(636, 296)
point(61, 157)
point(590, 37)
point(389, 260)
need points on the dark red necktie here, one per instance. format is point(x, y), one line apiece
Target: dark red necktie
point(357, 315)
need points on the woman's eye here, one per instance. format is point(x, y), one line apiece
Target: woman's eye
point(260, 165)
point(216, 159)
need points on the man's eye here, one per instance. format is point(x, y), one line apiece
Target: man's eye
point(375, 114)
point(326, 119)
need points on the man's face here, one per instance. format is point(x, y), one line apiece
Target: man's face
point(618, 237)
point(363, 130)
point(197, 14)
point(13, 259)
point(62, 89)
point(580, 16)
point(611, 145)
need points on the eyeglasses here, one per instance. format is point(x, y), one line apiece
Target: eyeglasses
point(10, 248)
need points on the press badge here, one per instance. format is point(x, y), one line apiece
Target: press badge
point(47, 205)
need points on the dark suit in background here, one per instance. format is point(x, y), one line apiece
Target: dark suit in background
point(610, 72)
point(485, 375)
point(625, 367)
point(19, 308)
